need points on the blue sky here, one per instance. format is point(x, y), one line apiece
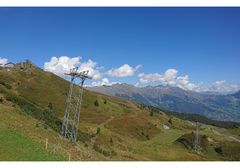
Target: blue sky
point(203, 43)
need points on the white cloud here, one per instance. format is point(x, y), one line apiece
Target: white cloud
point(183, 82)
point(123, 71)
point(102, 82)
point(91, 66)
point(223, 87)
point(3, 61)
point(149, 78)
point(63, 64)
point(169, 78)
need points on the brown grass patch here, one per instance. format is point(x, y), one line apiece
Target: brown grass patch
point(136, 127)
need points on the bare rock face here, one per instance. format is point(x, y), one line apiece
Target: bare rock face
point(166, 127)
point(26, 66)
point(209, 139)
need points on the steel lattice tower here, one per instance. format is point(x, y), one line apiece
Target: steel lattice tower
point(197, 146)
point(73, 105)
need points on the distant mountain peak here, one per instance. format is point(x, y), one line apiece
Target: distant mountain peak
point(219, 107)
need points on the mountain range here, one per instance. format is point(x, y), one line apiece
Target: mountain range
point(32, 105)
point(213, 106)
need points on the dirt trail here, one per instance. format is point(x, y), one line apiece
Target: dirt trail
point(93, 140)
point(107, 121)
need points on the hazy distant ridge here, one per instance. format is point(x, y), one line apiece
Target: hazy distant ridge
point(219, 107)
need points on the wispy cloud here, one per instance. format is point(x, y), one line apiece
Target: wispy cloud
point(102, 82)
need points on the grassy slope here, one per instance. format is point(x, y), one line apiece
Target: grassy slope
point(128, 132)
point(34, 132)
point(14, 147)
point(16, 141)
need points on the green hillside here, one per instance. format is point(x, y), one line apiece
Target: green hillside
point(14, 146)
point(32, 105)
